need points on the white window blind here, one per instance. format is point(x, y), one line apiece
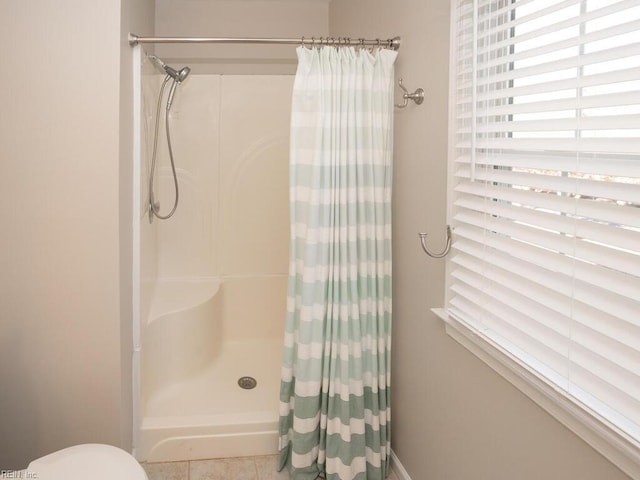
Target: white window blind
point(545, 199)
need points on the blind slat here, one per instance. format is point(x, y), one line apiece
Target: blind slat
point(537, 289)
point(552, 270)
point(608, 122)
point(498, 318)
point(500, 21)
point(615, 53)
point(617, 357)
point(592, 253)
point(628, 192)
point(620, 166)
point(575, 41)
point(574, 103)
point(596, 79)
point(582, 145)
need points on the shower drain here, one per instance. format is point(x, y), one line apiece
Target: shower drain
point(247, 383)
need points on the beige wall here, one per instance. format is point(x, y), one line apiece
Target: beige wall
point(60, 308)
point(233, 18)
point(453, 417)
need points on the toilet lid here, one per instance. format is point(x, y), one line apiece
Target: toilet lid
point(89, 461)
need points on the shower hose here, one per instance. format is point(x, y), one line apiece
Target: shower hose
point(154, 207)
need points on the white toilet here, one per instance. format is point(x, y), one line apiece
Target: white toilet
point(89, 461)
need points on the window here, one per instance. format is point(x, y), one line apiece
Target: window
point(545, 196)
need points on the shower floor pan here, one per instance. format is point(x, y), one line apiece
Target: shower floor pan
point(210, 415)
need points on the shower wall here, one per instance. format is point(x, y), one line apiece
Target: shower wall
point(230, 137)
point(213, 276)
point(188, 241)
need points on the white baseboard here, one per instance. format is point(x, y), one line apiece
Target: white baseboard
point(397, 467)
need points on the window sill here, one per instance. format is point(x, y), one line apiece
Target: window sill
point(622, 450)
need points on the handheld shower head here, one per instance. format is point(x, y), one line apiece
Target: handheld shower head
point(177, 75)
point(184, 73)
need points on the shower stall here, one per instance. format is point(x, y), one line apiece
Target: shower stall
point(210, 282)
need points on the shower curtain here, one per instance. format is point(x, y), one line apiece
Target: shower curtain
point(334, 395)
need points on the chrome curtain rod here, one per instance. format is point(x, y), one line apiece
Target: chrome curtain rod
point(392, 43)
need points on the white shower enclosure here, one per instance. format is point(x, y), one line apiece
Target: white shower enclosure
point(210, 282)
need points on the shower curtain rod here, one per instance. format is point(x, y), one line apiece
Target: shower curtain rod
point(393, 43)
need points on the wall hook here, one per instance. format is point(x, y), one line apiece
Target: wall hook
point(447, 248)
point(417, 96)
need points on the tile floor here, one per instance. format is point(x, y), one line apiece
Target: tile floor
point(245, 468)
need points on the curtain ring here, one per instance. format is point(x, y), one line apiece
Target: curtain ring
point(302, 41)
point(378, 40)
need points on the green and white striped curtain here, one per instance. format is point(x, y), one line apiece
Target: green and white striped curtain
point(334, 396)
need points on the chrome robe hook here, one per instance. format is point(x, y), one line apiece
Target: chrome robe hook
point(417, 96)
point(447, 248)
